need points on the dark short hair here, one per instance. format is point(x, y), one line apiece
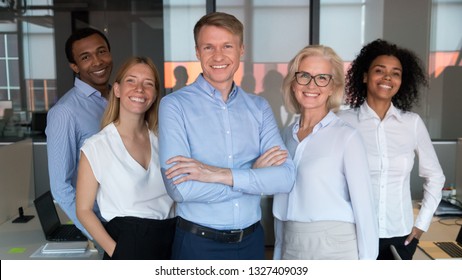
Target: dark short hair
point(80, 34)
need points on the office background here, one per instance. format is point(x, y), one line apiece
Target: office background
point(34, 72)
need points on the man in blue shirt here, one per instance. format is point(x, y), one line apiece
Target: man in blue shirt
point(77, 115)
point(220, 150)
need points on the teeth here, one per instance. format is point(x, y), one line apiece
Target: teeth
point(311, 94)
point(137, 99)
point(385, 86)
point(99, 72)
point(219, 66)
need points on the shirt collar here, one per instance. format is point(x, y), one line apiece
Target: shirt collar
point(330, 117)
point(208, 89)
point(366, 112)
point(85, 88)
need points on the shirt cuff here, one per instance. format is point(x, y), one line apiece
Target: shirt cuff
point(241, 179)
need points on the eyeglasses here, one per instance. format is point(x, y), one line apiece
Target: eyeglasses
point(304, 78)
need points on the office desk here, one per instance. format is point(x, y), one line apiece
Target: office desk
point(441, 229)
point(19, 241)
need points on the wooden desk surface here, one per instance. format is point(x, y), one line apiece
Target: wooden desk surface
point(441, 229)
point(18, 241)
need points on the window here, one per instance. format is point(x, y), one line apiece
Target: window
point(9, 69)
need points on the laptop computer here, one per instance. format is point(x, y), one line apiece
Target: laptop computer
point(443, 249)
point(51, 225)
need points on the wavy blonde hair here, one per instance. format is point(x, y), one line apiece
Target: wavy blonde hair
point(338, 77)
point(111, 114)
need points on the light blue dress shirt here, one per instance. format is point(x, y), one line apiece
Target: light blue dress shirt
point(195, 122)
point(332, 183)
point(73, 119)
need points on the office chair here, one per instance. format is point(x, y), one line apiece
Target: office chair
point(395, 254)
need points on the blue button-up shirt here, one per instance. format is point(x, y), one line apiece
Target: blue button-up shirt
point(74, 118)
point(195, 122)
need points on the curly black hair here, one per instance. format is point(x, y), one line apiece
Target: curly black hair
point(413, 75)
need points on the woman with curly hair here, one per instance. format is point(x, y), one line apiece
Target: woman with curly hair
point(382, 85)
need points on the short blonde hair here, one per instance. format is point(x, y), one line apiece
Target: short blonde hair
point(338, 77)
point(111, 114)
point(223, 20)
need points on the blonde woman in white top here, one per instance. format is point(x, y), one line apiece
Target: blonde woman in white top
point(329, 212)
point(120, 167)
point(382, 86)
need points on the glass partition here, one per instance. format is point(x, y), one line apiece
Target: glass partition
point(34, 73)
point(445, 70)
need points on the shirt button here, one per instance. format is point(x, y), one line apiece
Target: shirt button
point(230, 156)
point(227, 132)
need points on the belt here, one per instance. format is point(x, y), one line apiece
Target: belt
point(224, 236)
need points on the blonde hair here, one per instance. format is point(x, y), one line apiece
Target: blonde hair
point(338, 77)
point(111, 114)
point(223, 20)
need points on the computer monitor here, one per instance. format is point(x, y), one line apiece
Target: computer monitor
point(459, 172)
point(446, 151)
point(38, 122)
point(5, 104)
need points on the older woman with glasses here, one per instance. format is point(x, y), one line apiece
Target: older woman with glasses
point(329, 213)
